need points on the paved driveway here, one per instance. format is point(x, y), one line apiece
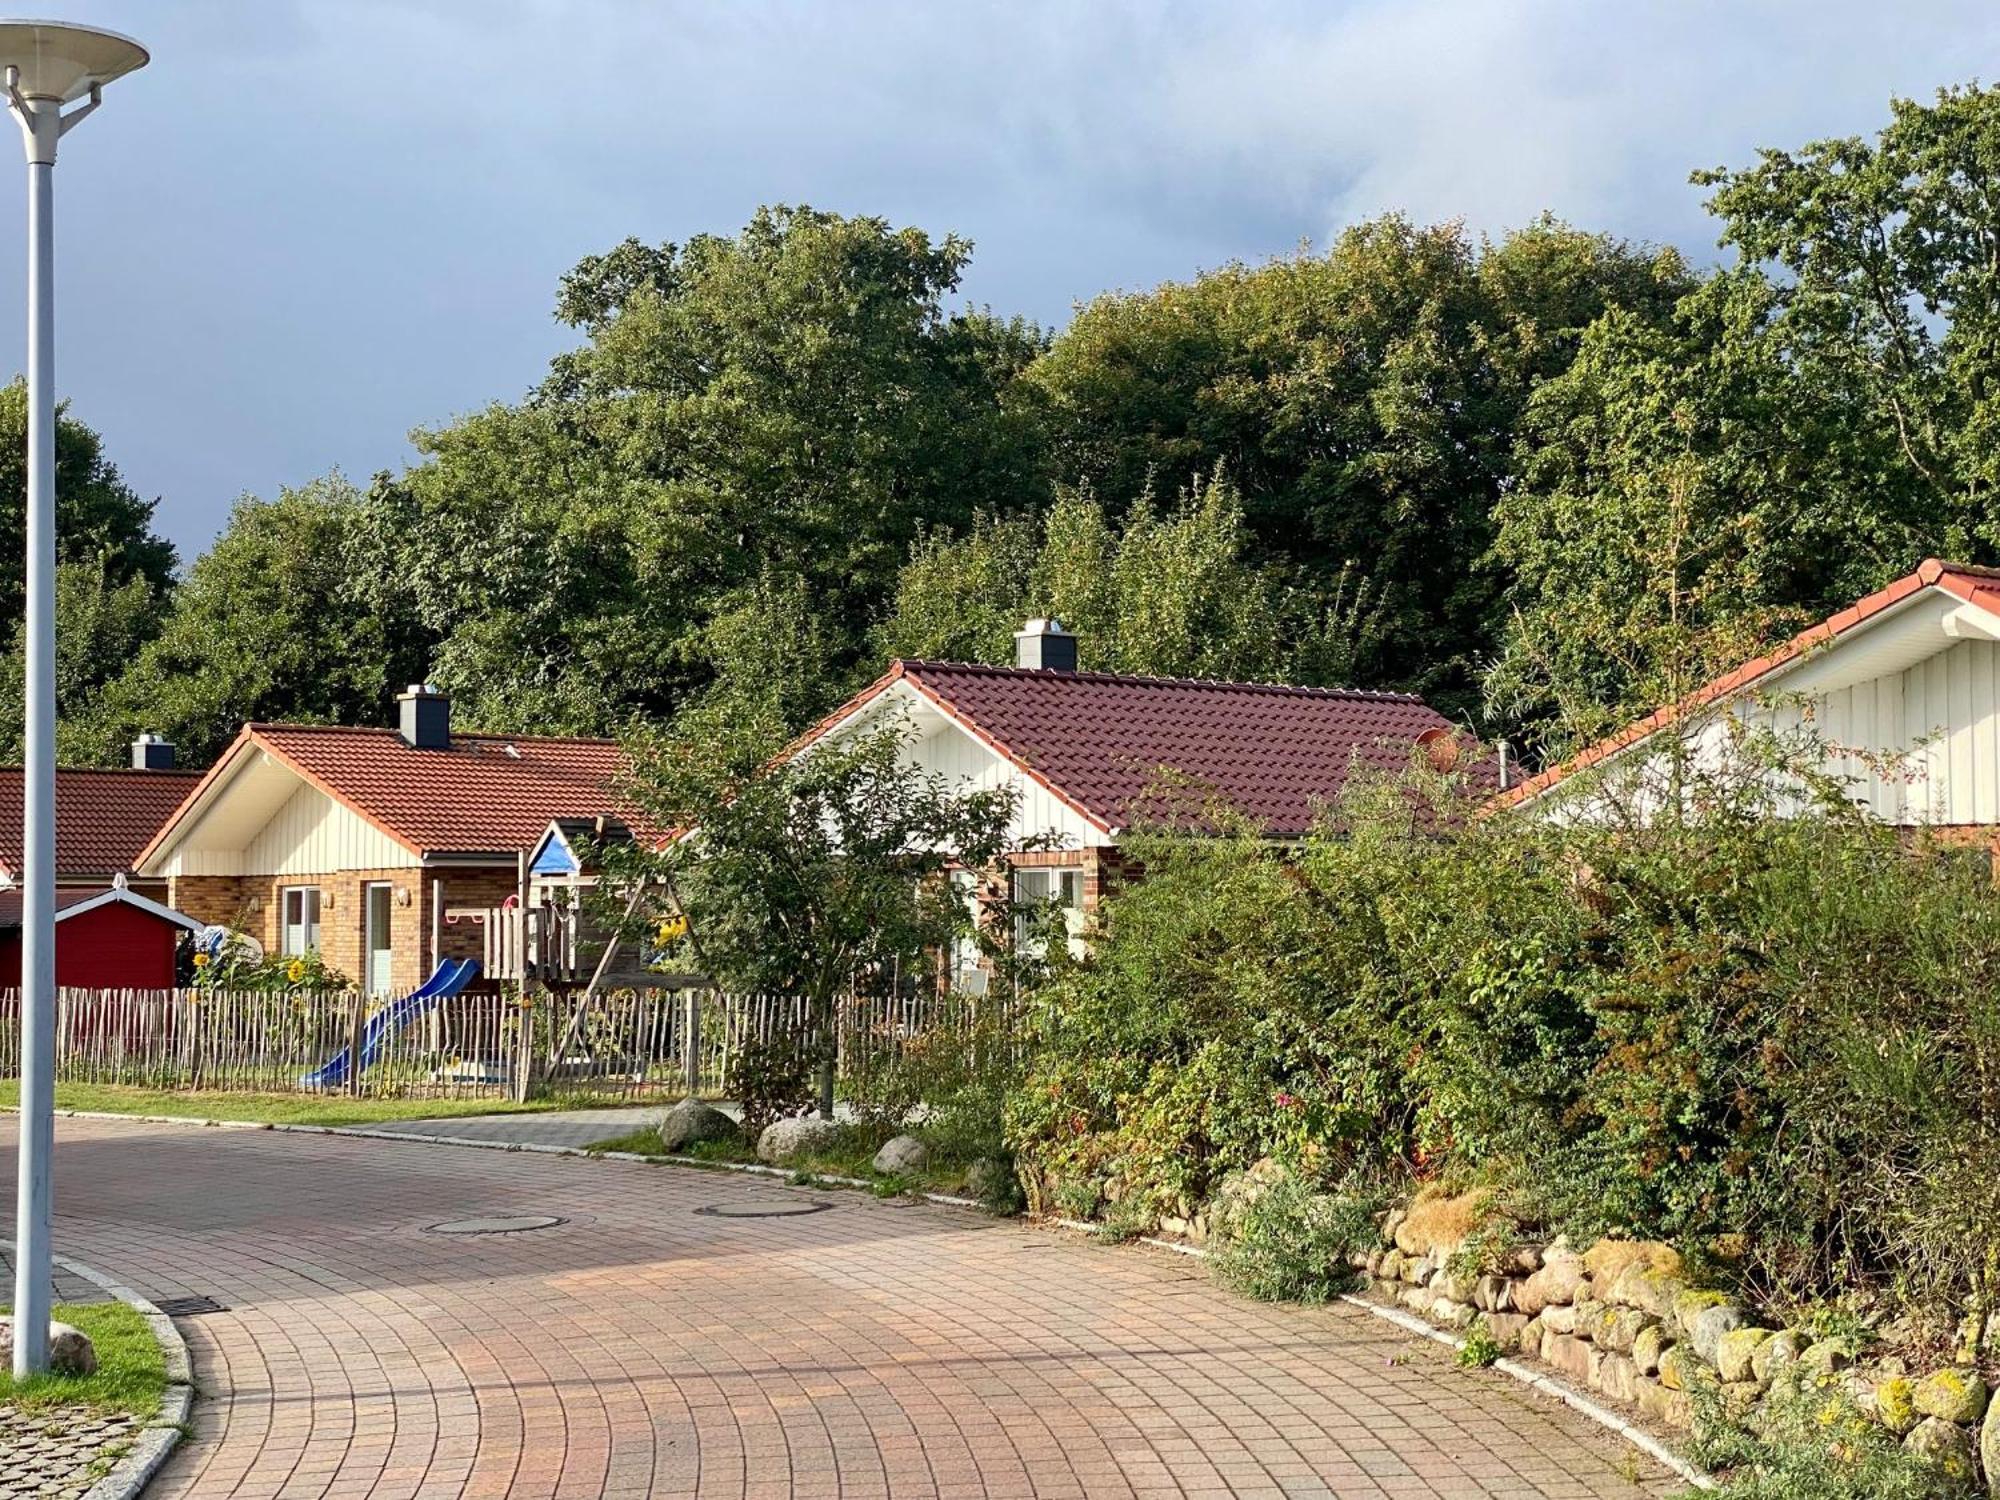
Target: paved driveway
point(664, 1342)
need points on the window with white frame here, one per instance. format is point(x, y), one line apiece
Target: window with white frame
point(967, 976)
point(1035, 889)
point(300, 919)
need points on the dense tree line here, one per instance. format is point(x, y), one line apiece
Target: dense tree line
point(1544, 479)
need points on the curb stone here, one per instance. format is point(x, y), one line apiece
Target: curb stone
point(157, 1438)
point(1547, 1385)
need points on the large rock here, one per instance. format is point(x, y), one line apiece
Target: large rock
point(988, 1178)
point(1617, 1328)
point(1679, 1369)
point(1562, 1275)
point(690, 1122)
point(1690, 1305)
point(1779, 1352)
point(1607, 1260)
point(1896, 1406)
point(70, 1349)
point(1508, 1330)
point(1957, 1396)
point(1617, 1377)
point(901, 1154)
point(1989, 1448)
point(785, 1141)
point(1651, 1342)
point(1736, 1350)
point(1710, 1324)
point(1944, 1445)
point(1643, 1286)
point(1572, 1357)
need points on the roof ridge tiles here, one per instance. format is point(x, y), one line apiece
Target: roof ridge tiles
point(1220, 684)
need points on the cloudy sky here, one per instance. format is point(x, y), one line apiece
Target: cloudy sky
point(312, 225)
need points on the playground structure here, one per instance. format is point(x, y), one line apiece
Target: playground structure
point(446, 981)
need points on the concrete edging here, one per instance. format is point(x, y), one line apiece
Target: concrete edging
point(158, 1437)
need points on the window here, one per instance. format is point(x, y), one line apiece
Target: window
point(967, 977)
point(301, 919)
point(1034, 890)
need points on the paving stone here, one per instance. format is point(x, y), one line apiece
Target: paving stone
point(880, 1349)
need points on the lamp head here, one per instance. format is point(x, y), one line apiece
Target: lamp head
point(55, 60)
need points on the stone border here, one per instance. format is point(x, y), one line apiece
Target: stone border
point(1536, 1380)
point(158, 1436)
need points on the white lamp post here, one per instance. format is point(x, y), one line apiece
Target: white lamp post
point(47, 65)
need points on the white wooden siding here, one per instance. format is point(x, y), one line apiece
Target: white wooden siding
point(950, 751)
point(1916, 746)
point(310, 834)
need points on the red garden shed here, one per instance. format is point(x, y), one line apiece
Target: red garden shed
point(112, 939)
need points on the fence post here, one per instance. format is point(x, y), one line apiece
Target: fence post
point(357, 1023)
point(691, 1039)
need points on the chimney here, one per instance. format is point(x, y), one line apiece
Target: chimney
point(1044, 646)
point(152, 753)
point(425, 717)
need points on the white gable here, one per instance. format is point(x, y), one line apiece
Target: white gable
point(942, 745)
point(1906, 708)
point(266, 820)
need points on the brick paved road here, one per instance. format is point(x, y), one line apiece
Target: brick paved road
point(647, 1349)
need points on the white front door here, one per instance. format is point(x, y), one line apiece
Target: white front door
point(375, 906)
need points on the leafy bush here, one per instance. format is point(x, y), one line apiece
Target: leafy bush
point(1768, 1040)
point(1480, 1349)
point(1292, 1243)
point(236, 966)
point(1811, 1445)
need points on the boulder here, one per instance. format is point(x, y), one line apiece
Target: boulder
point(1618, 1328)
point(1659, 1404)
point(1457, 1288)
point(1522, 1260)
point(691, 1122)
point(1679, 1369)
point(1647, 1346)
point(1895, 1405)
point(1690, 1305)
point(1572, 1357)
point(901, 1154)
point(1452, 1314)
point(1508, 1330)
point(785, 1141)
point(1561, 1277)
point(1493, 1294)
point(1649, 1290)
point(1827, 1356)
point(1607, 1260)
point(1710, 1324)
point(70, 1349)
point(1778, 1352)
point(1944, 1445)
point(1618, 1377)
point(1391, 1268)
point(1735, 1351)
point(1559, 1319)
point(1956, 1396)
point(1989, 1447)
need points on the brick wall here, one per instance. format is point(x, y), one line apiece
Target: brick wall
point(210, 898)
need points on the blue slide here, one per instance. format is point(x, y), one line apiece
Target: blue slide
point(450, 977)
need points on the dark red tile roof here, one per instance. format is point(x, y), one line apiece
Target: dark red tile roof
point(487, 794)
point(103, 818)
point(1101, 740)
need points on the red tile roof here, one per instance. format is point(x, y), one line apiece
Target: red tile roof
point(1100, 741)
point(487, 794)
point(1974, 585)
point(103, 818)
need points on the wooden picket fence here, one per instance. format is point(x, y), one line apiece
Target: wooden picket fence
point(626, 1045)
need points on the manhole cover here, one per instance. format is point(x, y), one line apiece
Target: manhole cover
point(188, 1307)
point(518, 1224)
point(764, 1208)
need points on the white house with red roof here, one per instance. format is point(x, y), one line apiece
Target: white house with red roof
point(1898, 696)
point(373, 847)
point(1090, 754)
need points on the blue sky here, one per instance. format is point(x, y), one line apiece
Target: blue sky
point(312, 225)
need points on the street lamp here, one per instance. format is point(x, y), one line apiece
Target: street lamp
point(47, 65)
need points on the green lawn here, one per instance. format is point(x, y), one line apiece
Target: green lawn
point(276, 1109)
point(131, 1370)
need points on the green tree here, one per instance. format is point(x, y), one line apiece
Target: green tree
point(99, 519)
point(789, 403)
point(1364, 402)
point(287, 616)
point(101, 627)
point(813, 876)
point(1174, 594)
